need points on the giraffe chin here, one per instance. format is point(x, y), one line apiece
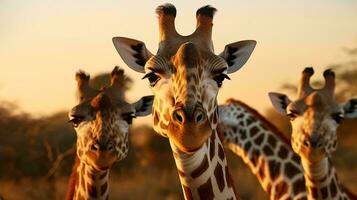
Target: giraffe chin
point(189, 137)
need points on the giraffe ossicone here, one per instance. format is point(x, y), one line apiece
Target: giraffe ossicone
point(315, 116)
point(101, 121)
point(185, 76)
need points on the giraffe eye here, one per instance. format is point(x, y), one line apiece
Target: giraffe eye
point(338, 117)
point(128, 117)
point(152, 77)
point(292, 114)
point(220, 78)
point(76, 120)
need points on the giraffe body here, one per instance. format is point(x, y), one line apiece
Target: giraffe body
point(185, 76)
point(101, 120)
point(315, 116)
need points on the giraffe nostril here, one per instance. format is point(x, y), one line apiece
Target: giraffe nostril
point(178, 116)
point(110, 147)
point(199, 116)
point(306, 143)
point(94, 147)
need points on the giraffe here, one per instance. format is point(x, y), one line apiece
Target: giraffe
point(101, 121)
point(264, 149)
point(315, 116)
point(185, 76)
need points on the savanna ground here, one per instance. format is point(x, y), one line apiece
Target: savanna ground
point(36, 154)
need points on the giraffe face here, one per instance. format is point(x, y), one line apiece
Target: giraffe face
point(185, 76)
point(102, 119)
point(314, 121)
point(314, 116)
point(102, 131)
point(185, 89)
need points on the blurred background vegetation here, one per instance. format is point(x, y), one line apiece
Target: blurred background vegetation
point(36, 154)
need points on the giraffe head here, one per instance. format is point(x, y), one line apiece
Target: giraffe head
point(315, 116)
point(185, 76)
point(102, 119)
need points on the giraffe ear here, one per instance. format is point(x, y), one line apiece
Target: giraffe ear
point(350, 108)
point(279, 101)
point(236, 54)
point(133, 52)
point(143, 107)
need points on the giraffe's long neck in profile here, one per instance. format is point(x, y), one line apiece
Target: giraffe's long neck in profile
point(321, 180)
point(265, 151)
point(204, 174)
point(87, 183)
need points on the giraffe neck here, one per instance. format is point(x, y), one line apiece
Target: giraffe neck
point(265, 151)
point(321, 180)
point(89, 183)
point(204, 174)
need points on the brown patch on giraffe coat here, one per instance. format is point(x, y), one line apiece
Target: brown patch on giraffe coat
point(299, 186)
point(103, 188)
point(253, 131)
point(92, 190)
point(272, 141)
point(291, 170)
point(312, 191)
point(250, 120)
point(281, 189)
point(274, 169)
point(247, 146)
point(259, 139)
point(324, 192)
point(268, 190)
point(218, 174)
point(267, 150)
point(156, 118)
point(283, 152)
point(211, 149)
point(243, 134)
point(333, 188)
point(205, 191)
point(255, 156)
point(261, 171)
point(220, 152)
point(187, 192)
point(201, 168)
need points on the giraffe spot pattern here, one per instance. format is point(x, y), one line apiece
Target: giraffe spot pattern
point(201, 168)
point(220, 152)
point(218, 173)
point(281, 189)
point(299, 186)
point(283, 152)
point(333, 188)
point(92, 190)
point(291, 170)
point(205, 191)
point(324, 192)
point(187, 192)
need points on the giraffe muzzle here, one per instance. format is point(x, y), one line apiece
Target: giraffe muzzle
point(189, 114)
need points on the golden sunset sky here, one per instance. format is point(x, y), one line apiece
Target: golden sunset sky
point(43, 43)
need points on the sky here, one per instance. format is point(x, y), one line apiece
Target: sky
point(43, 43)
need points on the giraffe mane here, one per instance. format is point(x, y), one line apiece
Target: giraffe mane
point(73, 178)
point(260, 117)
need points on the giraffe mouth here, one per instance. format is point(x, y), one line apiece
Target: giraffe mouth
point(190, 136)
